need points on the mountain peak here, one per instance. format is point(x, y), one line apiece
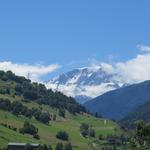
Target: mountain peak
point(85, 82)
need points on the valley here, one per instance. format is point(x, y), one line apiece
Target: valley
point(74, 75)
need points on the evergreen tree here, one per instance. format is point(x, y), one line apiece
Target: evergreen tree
point(28, 147)
point(50, 147)
point(45, 147)
point(62, 135)
point(59, 146)
point(68, 146)
point(62, 112)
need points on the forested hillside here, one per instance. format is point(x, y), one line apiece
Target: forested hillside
point(140, 113)
point(19, 86)
point(29, 113)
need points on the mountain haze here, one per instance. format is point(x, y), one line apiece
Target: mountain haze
point(142, 112)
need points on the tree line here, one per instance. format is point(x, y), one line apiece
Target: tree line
point(18, 108)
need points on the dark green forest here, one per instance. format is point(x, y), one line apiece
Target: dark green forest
point(38, 93)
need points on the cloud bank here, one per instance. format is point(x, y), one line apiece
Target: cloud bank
point(34, 72)
point(143, 48)
point(134, 70)
point(131, 71)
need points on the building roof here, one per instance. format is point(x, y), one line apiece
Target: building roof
point(21, 144)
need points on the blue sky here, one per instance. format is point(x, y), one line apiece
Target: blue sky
point(72, 33)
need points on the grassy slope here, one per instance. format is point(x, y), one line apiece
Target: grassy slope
point(70, 124)
point(48, 132)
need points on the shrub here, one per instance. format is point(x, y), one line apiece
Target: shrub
point(44, 117)
point(36, 136)
point(100, 137)
point(84, 129)
point(28, 128)
point(62, 135)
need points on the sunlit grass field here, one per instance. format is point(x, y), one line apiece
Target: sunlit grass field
point(70, 124)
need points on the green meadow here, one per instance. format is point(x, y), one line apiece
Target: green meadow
point(70, 124)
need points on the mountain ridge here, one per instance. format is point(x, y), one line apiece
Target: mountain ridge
point(121, 101)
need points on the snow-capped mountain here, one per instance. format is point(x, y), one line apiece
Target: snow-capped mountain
point(85, 83)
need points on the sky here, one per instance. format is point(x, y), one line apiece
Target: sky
point(46, 37)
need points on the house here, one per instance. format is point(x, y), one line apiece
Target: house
point(20, 146)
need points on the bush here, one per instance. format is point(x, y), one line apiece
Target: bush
point(28, 128)
point(62, 135)
point(100, 137)
point(44, 117)
point(84, 129)
point(36, 136)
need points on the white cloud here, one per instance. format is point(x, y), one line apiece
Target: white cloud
point(89, 90)
point(108, 68)
point(95, 90)
point(34, 72)
point(134, 70)
point(143, 48)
